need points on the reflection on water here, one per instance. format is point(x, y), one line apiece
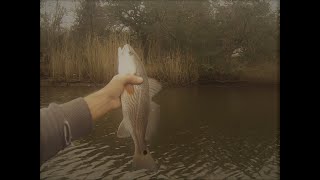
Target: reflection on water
point(206, 132)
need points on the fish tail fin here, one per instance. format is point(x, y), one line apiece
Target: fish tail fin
point(141, 161)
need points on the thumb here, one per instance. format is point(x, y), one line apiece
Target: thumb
point(133, 79)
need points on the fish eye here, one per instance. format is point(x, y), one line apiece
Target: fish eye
point(145, 152)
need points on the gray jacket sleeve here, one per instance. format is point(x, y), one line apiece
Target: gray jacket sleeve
point(60, 124)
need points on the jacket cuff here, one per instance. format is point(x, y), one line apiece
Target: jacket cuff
point(78, 117)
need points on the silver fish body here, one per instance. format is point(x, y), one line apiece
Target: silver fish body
point(139, 112)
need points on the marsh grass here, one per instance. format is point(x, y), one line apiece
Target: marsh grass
point(268, 72)
point(174, 68)
point(94, 60)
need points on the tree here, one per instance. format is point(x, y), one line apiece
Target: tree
point(50, 26)
point(90, 19)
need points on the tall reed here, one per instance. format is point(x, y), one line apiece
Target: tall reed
point(95, 60)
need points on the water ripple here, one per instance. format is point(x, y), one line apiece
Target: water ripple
point(195, 149)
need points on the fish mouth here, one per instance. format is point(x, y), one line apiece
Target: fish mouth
point(127, 60)
point(126, 47)
point(129, 49)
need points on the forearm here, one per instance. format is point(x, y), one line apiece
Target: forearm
point(100, 103)
point(62, 123)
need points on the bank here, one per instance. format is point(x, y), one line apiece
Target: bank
point(54, 83)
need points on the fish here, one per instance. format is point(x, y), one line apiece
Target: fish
point(140, 113)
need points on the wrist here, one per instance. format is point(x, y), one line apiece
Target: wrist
point(99, 103)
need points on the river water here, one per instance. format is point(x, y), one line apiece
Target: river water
point(205, 132)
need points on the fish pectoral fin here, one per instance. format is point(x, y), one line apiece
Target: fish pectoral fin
point(129, 88)
point(153, 119)
point(122, 130)
point(154, 87)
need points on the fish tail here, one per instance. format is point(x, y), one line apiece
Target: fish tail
point(141, 161)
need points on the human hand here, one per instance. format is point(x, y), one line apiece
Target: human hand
point(108, 98)
point(117, 85)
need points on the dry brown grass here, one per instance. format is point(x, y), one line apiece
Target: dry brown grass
point(95, 61)
point(174, 68)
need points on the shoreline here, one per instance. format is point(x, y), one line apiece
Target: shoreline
point(52, 83)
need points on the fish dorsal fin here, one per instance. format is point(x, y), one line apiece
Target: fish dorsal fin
point(123, 131)
point(154, 87)
point(153, 119)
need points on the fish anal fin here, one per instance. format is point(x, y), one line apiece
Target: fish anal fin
point(153, 119)
point(123, 131)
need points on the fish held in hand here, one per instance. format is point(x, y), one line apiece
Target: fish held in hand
point(140, 113)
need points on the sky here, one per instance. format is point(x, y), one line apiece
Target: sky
point(70, 6)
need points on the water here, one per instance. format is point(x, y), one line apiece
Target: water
point(206, 132)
